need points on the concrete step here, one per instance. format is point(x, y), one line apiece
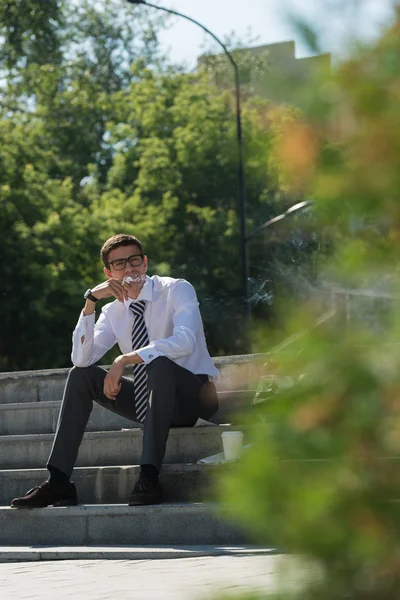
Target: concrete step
point(236, 373)
point(88, 525)
point(41, 417)
point(46, 553)
point(108, 448)
point(112, 485)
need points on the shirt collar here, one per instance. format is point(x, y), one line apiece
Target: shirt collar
point(146, 293)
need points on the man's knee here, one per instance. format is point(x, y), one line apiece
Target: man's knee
point(159, 365)
point(81, 372)
point(209, 400)
point(83, 376)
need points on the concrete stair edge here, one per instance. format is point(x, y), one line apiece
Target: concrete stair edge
point(167, 467)
point(86, 525)
point(217, 360)
point(222, 394)
point(107, 448)
point(129, 431)
point(45, 553)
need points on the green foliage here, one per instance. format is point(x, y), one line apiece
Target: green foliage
point(105, 138)
point(54, 110)
point(173, 180)
point(31, 32)
point(322, 476)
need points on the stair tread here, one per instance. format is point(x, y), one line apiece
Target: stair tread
point(127, 552)
point(184, 466)
point(231, 359)
point(121, 432)
point(56, 403)
point(212, 508)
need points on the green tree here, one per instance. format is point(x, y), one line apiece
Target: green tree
point(107, 137)
point(54, 109)
point(174, 179)
point(31, 33)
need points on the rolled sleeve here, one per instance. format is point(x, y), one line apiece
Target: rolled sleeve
point(90, 340)
point(84, 327)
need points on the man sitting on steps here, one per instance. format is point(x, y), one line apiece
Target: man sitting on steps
point(157, 325)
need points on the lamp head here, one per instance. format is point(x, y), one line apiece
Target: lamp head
point(136, 1)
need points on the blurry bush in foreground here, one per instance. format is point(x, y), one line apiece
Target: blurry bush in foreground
point(322, 479)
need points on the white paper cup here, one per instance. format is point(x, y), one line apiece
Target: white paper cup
point(232, 443)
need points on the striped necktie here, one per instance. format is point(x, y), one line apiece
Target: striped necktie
point(140, 338)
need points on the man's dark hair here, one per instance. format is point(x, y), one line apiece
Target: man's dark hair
point(121, 239)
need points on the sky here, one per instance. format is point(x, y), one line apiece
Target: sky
point(268, 21)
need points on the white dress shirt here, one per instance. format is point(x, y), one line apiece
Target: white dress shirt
point(173, 322)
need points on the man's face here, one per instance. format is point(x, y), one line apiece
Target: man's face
point(116, 259)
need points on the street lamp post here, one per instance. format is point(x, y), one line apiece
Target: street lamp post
point(242, 198)
point(287, 213)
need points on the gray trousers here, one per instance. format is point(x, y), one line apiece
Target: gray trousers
point(177, 398)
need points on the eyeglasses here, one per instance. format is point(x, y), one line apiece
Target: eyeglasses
point(135, 261)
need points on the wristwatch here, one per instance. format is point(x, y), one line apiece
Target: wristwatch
point(89, 296)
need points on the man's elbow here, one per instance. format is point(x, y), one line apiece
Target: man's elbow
point(78, 361)
point(188, 342)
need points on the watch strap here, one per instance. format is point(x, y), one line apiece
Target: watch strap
point(89, 296)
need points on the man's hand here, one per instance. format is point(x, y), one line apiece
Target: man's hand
point(133, 288)
point(112, 382)
point(109, 288)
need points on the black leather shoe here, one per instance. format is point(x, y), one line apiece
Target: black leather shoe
point(43, 495)
point(145, 492)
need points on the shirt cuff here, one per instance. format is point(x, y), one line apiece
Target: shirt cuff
point(148, 353)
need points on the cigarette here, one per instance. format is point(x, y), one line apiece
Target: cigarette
point(129, 279)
